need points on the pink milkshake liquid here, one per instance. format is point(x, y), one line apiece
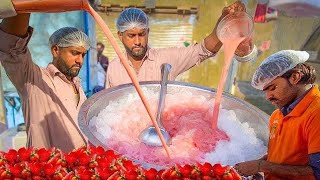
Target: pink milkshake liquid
point(232, 30)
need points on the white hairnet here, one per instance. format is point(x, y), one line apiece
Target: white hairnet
point(132, 18)
point(276, 65)
point(69, 36)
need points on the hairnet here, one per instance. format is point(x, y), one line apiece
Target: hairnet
point(276, 65)
point(69, 36)
point(132, 18)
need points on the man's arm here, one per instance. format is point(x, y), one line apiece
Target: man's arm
point(15, 57)
point(285, 170)
point(17, 25)
point(253, 167)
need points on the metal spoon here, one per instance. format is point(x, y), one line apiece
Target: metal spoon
point(149, 135)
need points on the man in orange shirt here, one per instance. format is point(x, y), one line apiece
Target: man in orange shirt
point(294, 140)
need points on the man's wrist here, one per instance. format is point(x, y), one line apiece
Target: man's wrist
point(251, 56)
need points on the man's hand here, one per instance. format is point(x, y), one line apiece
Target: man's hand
point(212, 42)
point(237, 6)
point(246, 46)
point(248, 168)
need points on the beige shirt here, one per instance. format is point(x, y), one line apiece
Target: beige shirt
point(180, 58)
point(50, 105)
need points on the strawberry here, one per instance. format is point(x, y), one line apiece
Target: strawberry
point(58, 176)
point(11, 156)
point(103, 162)
point(195, 174)
point(84, 159)
point(93, 164)
point(44, 155)
point(34, 157)
point(235, 174)
point(218, 169)
point(85, 175)
point(37, 178)
point(165, 174)
point(99, 151)
point(35, 168)
point(130, 175)
point(16, 170)
point(24, 154)
point(26, 173)
point(95, 177)
point(206, 178)
point(175, 174)
point(81, 168)
point(150, 174)
point(104, 173)
point(205, 169)
point(141, 177)
point(185, 170)
point(5, 174)
point(70, 158)
point(3, 161)
point(227, 176)
point(128, 164)
point(110, 155)
point(70, 176)
point(61, 162)
point(49, 170)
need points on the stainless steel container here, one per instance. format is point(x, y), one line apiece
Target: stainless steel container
point(257, 119)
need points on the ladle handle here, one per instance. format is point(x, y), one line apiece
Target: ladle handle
point(165, 70)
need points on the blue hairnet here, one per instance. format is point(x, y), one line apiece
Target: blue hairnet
point(132, 18)
point(69, 36)
point(276, 65)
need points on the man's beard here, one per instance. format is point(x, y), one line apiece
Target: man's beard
point(69, 72)
point(137, 54)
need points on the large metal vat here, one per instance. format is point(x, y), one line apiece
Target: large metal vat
point(257, 119)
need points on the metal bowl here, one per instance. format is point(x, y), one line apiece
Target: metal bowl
point(257, 119)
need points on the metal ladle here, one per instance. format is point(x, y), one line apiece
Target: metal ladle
point(149, 135)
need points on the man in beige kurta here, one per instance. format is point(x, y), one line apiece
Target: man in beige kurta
point(50, 100)
point(133, 31)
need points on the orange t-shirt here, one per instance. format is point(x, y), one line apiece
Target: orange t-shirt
point(295, 136)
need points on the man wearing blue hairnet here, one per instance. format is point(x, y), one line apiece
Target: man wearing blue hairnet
point(133, 32)
point(294, 139)
point(51, 96)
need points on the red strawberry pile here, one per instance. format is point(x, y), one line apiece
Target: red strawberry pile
point(97, 163)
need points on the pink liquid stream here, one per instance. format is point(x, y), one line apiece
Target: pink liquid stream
point(230, 45)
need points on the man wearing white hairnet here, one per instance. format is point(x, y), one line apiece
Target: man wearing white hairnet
point(51, 96)
point(294, 139)
point(133, 32)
